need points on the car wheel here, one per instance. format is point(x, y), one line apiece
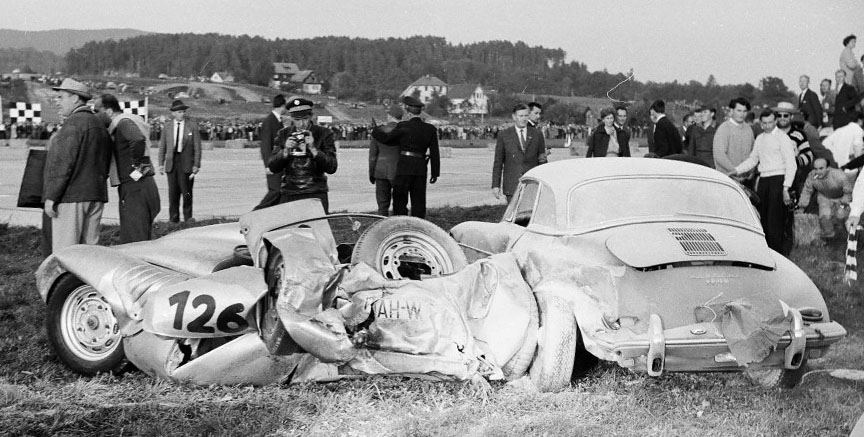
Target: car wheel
point(82, 329)
point(408, 247)
point(556, 345)
point(272, 330)
point(519, 363)
point(774, 378)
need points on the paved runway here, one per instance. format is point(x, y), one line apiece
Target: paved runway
point(231, 182)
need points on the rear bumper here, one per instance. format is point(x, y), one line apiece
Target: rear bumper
point(678, 350)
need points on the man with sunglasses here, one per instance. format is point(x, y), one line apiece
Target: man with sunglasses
point(803, 161)
point(305, 155)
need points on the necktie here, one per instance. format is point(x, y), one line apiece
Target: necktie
point(178, 145)
point(522, 139)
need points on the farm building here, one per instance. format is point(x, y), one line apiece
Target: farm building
point(427, 87)
point(468, 98)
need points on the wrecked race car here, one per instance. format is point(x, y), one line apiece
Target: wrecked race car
point(663, 266)
point(289, 294)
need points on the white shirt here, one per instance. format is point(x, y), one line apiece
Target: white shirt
point(774, 153)
point(845, 143)
point(178, 135)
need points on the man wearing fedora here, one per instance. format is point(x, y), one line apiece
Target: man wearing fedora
point(76, 168)
point(415, 138)
point(180, 158)
point(304, 154)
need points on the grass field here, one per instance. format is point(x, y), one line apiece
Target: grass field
point(39, 396)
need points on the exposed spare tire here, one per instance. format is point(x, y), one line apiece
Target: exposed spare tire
point(405, 247)
point(556, 345)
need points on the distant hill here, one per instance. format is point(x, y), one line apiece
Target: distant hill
point(59, 41)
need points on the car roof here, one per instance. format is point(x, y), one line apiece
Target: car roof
point(569, 172)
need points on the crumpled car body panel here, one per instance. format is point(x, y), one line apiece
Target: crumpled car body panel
point(694, 284)
point(195, 316)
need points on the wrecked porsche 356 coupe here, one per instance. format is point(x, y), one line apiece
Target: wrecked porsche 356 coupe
point(289, 294)
point(665, 267)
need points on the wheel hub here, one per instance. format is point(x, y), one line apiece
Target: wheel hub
point(412, 256)
point(88, 325)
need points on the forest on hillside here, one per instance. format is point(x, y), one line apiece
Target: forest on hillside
point(368, 69)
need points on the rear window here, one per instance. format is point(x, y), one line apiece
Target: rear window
point(638, 198)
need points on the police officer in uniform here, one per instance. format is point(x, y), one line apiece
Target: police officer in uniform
point(304, 153)
point(415, 138)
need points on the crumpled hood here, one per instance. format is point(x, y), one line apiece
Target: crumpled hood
point(656, 244)
point(195, 251)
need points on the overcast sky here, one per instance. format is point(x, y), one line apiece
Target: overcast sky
point(737, 41)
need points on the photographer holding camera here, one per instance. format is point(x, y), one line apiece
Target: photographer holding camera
point(305, 153)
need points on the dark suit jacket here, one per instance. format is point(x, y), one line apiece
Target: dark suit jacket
point(417, 137)
point(511, 162)
point(844, 105)
point(667, 139)
point(270, 126)
point(191, 154)
point(383, 158)
point(598, 143)
point(811, 107)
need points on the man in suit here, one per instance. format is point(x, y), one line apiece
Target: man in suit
point(844, 103)
point(180, 158)
point(808, 102)
point(535, 110)
point(621, 125)
point(828, 99)
point(382, 163)
point(666, 139)
point(519, 148)
point(133, 171)
point(415, 138)
point(269, 128)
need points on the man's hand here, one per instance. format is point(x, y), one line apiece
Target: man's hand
point(310, 145)
point(49, 209)
point(267, 171)
point(372, 179)
point(787, 199)
point(433, 180)
point(497, 193)
point(194, 170)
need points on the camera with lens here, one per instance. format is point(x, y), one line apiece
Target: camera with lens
point(296, 143)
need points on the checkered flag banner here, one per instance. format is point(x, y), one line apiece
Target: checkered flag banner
point(137, 107)
point(850, 273)
point(20, 112)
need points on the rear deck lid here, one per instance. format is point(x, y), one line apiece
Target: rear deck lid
point(648, 245)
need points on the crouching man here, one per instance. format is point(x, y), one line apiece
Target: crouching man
point(833, 194)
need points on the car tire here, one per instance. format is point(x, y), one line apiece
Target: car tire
point(556, 346)
point(777, 378)
point(408, 248)
point(521, 361)
point(83, 330)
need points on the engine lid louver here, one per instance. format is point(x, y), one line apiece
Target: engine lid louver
point(697, 242)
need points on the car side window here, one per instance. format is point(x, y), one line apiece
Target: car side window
point(544, 212)
point(525, 203)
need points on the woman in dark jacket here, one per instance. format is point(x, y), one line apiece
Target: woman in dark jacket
point(606, 140)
